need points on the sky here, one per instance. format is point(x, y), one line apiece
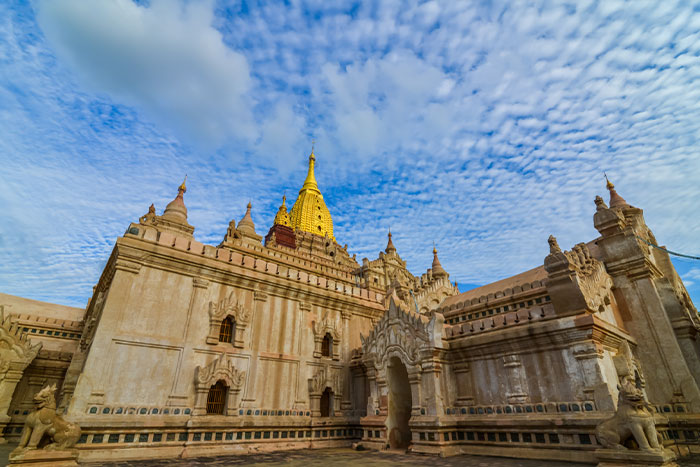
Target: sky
point(481, 126)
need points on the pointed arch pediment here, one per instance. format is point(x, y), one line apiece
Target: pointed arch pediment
point(401, 333)
point(222, 369)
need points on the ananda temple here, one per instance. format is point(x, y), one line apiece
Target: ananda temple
point(280, 339)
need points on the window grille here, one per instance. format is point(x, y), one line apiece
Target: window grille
point(216, 401)
point(327, 346)
point(228, 327)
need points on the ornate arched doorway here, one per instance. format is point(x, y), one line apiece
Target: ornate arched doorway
point(399, 404)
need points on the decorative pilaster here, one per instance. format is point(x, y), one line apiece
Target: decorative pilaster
point(514, 369)
point(590, 358)
point(465, 385)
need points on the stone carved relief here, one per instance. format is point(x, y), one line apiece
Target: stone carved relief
point(579, 268)
point(397, 330)
point(218, 311)
point(320, 328)
point(634, 418)
point(16, 353)
point(594, 281)
point(325, 377)
point(150, 217)
point(416, 341)
point(219, 369)
point(16, 350)
point(45, 421)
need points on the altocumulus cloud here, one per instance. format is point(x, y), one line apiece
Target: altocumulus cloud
point(483, 126)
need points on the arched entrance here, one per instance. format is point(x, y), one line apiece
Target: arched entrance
point(400, 402)
point(327, 403)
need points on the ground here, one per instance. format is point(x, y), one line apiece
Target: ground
point(338, 458)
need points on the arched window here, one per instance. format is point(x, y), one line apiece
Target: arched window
point(228, 327)
point(216, 400)
point(327, 346)
point(327, 403)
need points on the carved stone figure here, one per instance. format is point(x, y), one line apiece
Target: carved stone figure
point(45, 422)
point(632, 419)
point(553, 245)
point(149, 217)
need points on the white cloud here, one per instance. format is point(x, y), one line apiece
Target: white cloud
point(165, 58)
point(483, 127)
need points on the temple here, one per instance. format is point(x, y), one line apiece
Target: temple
point(288, 342)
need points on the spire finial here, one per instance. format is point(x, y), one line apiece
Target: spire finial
point(608, 183)
point(250, 205)
point(389, 244)
point(284, 199)
point(438, 270)
point(615, 199)
point(183, 188)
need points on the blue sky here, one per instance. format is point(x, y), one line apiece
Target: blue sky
point(482, 126)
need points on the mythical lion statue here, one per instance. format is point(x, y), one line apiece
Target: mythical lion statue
point(43, 423)
point(632, 419)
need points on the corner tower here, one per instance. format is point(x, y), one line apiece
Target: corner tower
point(309, 212)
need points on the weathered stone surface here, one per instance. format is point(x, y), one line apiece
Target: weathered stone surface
point(45, 458)
point(636, 458)
point(188, 349)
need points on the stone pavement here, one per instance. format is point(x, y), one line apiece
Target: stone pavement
point(338, 458)
point(341, 458)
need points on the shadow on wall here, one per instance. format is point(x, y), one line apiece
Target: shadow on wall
point(399, 405)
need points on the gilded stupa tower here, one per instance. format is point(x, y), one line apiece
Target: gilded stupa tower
point(309, 212)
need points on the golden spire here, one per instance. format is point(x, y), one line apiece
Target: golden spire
point(309, 212)
point(182, 187)
point(608, 183)
point(310, 182)
point(282, 217)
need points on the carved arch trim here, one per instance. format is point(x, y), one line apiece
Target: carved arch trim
point(325, 377)
point(322, 327)
point(218, 311)
point(219, 369)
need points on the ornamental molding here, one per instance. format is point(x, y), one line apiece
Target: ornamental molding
point(402, 334)
point(326, 325)
point(321, 327)
point(323, 378)
point(229, 306)
point(221, 368)
point(16, 349)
